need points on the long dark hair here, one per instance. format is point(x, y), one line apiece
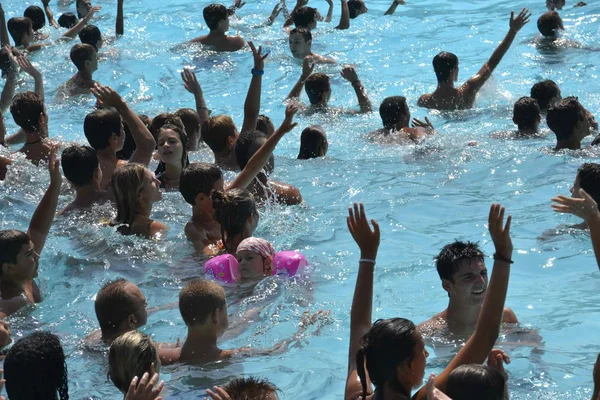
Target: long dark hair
point(474, 382)
point(387, 344)
point(232, 209)
point(185, 161)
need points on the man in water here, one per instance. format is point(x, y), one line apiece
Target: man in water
point(216, 17)
point(85, 59)
point(527, 117)
point(395, 117)
point(569, 122)
point(445, 65)
point(301, 46)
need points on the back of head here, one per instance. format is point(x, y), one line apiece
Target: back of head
point(526, 112)
point(67, 20)
point(198, 178)
point(305, 16)
point(11, 242)
point(216, 130)
point(35, 369)
point(385, 346)
point(80, 53)
point(127, 183)
point(214, 14)
point(549, 23)
point(546, 93)
point(453, 254)
point(313, 143)
point(91, 35)
point(100, 125)
point(26, 109)
point(199, 299)
point(232, 210)
point(564, 116)
point(79, 163)
point(247, 144)
point(474, 382)
point(113, 305)
point(190, 120)
point(443, 65)
point(316, 86)
point(264, 124)
point(589, 179)
point(394, 111)
point(17, 27)
point(354, 7)
point(37, 17)
point(131, 354)
point(250, 388)
point(302, 30)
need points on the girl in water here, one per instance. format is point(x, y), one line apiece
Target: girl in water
point(236, 212)
point(172, 148)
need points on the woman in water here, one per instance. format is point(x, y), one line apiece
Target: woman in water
point(172, 148)
point(393, 350)
point(136, 189)
point(313, 143)
point(236, 212)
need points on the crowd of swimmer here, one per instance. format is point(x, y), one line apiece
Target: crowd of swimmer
point(388, 355)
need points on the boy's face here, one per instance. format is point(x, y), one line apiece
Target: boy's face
point(470, 283)
point(298, 46)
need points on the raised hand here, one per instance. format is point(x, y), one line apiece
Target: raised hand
point(106, 96)
point(517, 23)
point(301, 3)
point(26, 66)
point(366, 239)
point(432, 392)
point(92, 11)
point(275, 12)
point(496, 359)
point(288, 123)
point(259, 58)
point(308, 66)
point(189, 81)
point(499, 232)
point(239, 4)
point(349, 74)
point(45, 2)
point(585, 207)
point(418, 123)
point(54, 167)
point(144, 390)
point(14, 64)
point(218, 394)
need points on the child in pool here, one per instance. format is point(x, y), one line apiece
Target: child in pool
point(255, 258)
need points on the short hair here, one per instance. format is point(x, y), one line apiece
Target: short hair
point(394, 110)
point(198, 178)
point(35, 368)
point(37, 17)
point(161, 120)
point(316, 85)
point(453, 254)
point(67, 20)
point(443, 64)
point(265, 124)
point(305, 32)
point(354, 7)
point(304, 16)
point(17, 27)
point(474, 381)
point(131, 354)
point(91, 35)
point(100, 125)
point(250, 388)
point(190, 119)
point(113, 305)
point(313, 142)
point(214, 14)
point(79, 163)
point(563, 117)
point(526, 112)
point(199, 299)
point(11, 242)
point(247, 144)
point(589, 179)
point(26, 109)
point(546, 93)
point(550, 23)
point(216, 130)
point(129, 145)
point(80, 53)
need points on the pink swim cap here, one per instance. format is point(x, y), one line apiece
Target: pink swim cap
point(256, 245)
point(224, 268)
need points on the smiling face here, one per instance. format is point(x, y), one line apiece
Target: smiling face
point(151, 188)
point(470, 283)
point(170, 148)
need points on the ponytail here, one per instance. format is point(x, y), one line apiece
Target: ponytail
point(360, 368)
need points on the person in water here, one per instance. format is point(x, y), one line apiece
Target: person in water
point(569, 122)
point(255, 258)
point(445, 65)
point(588, 179)
point(85, 58)
point(300, 41)
point(390, 354)
point(527, 117)
point(245, 388)
point(216, 17)
point(395, 116)
point(172, 149)
point(237, 214)
point(313, 143)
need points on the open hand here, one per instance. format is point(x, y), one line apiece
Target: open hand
point(14, 64)
point(349, 74)
point(434, 393)
point(92, 11)
point(45, 2)
point(517, 23)
point(418, 123)
point(366, 239)
point(218, 394)
point(496, 359)
point(144, 390)
point(308, 66)
point(275, 12)
point(106, 96)
point(54, 167)
point(259, 58)
point(585, 207)
point(239, 4)
point(499, 232)
point(26, 66)
point(288, 123)
point(190, 82)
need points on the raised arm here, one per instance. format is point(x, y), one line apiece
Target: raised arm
point(585, 208)
point(191, 85)
point(26, 66)
point(120, 25)
point(144, 141)
point(482, 341)
point(42, 218)
point(274, 14)
point(49, 14)
point(8, 91)
point(477, 81)
point(2, 131)
point(3, 29)
point(260, 158)
point(74, 31)
point(349, 74)
point(290, 20)
point(345, 17)
point(308, 65)
point(362, 301)
point(237, 4)
point(393, 7)
point(252, 104)
point(329, 11)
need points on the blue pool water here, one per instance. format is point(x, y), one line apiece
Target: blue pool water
point(423, 197)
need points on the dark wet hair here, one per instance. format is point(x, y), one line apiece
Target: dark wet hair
point(443, 64)
point(17, 27)
point(161, 120)
point(304, 16)
point(474, 382)
point(394, 110)
point(305, 32)
point(35, 368)
point(100, 125)
point(313, 143)
point(563, 117)
point(546, 93)
point(315, 86)
point(550, 23)
point(26, 109)
point(67, 20)
point(389, 343)
point(453, 254)
point(232, 210)
point(80, 53)
point(264, 124)
point(526, 112)
point(11, 242)
point(183, 138)
point(249, 388)
point(589, 179)
point(113, 305)
point(37, 17)
point(198, 178)
point(129, 145)
point(214, 14)
point(91, 35)
point(79, 163)
point(354, 7)
point(191, 121)
point(247, 145)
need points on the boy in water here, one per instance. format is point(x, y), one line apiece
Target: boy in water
point(464, 276)
point(245, 388)
point(395, 116)
point(91, 35)
point(216, 17)
point(527, 117)
point(569, 122)
point(20, 251)
point(301, 46)
point(29, 112)
point(445, 65)
point(85, 59)
point(38, 20)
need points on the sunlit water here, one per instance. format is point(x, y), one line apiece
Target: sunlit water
point(423, 197)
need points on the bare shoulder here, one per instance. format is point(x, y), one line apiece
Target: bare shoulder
point(509, 316)
point(237, 42)
point(200, 39)
point(157, 228)
point(288, 194)
point(11, 306)
point(169, 353)
point(424, 100)
point(433, 324)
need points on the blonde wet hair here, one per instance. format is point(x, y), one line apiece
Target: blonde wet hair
point(127, 183)
point(131, 355)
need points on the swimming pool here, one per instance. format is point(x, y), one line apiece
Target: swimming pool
point(423, 197)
